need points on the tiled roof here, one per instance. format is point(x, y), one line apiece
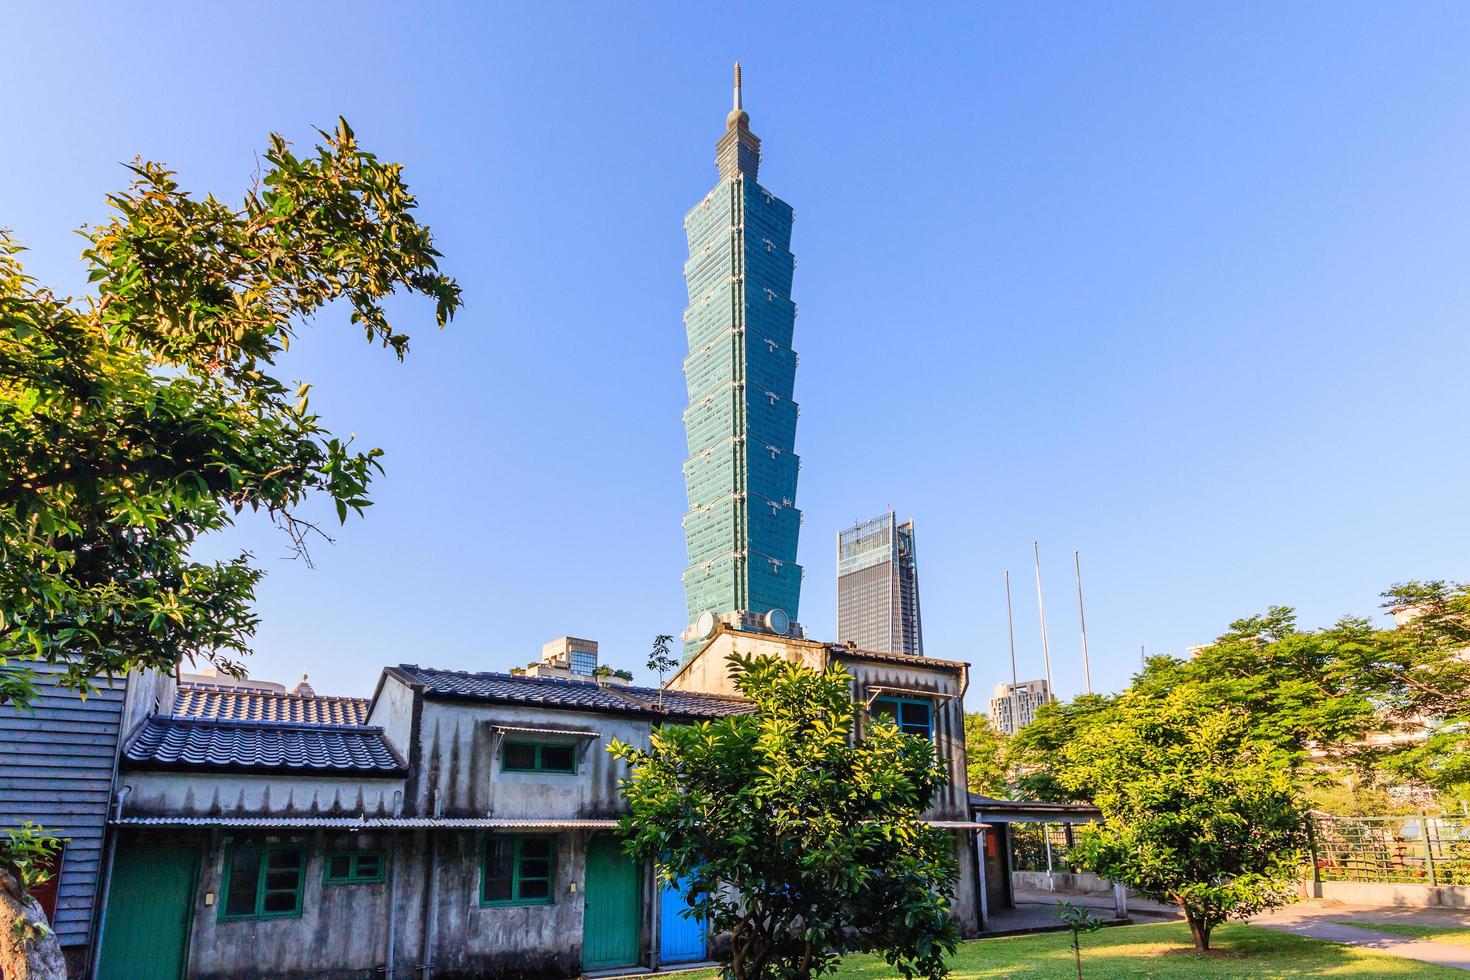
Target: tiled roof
point(841, 650)
point(200, 701)
point(553, 692)
point(578, 695)
point(212, 744)
point(693, 704)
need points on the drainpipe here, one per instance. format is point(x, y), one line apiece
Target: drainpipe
point(392, 901)
point(96, 954)
point(431, 920)
point(431, 889)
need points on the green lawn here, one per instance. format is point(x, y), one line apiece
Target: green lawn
point(1154, 951)
point(1459, 935)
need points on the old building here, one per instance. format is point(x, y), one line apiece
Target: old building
point(453, 824)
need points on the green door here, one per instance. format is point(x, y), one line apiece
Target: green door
point(146, 929)
point(613, 920)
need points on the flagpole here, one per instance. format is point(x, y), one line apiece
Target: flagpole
point(1011, 630)
point(1082, 617)
point(1041, 606)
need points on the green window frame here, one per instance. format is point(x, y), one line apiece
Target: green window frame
point(518, 870)
point(353, 867)
point(262, 881)
point(912, 715)
point(554, 757)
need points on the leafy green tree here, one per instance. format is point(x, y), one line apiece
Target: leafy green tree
point(136, 419)
point(1419, 674)
point(1292, 685)
point(1196, 811)
point(795, 830)
point(986, 754)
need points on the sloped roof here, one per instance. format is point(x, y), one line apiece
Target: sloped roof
point(201, 701)
point(211, 744)
point(577, 695)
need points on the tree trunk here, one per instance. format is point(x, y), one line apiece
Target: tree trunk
point(29, 950)
point(1201, 933)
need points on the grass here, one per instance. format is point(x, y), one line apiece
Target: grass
point(1459, 935)
point(1161, 950)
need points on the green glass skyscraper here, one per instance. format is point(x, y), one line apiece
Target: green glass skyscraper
point(742, 526)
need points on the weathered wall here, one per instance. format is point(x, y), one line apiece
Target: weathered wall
point(461, 773)
point(343, 930)
point(203, 794)
point(56, 767)
point(392, 711)
point(708, 673)
point(944, 686)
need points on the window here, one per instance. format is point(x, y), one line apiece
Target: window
point(538, 757)
point(263, 882)
point(353, 868)
point(911, 716)
point(517, 871)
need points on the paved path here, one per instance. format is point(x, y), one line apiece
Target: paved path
point(1323, 920)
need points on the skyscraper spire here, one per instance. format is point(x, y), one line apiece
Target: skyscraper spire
point(738, 153)
point(738, 115)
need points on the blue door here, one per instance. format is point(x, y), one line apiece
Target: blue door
point(681, 937)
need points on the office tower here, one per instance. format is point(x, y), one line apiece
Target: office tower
point(878, 587)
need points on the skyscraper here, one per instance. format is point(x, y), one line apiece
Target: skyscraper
point(742, 526)
point(878, 587)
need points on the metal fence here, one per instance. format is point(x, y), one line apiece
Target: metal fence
point(1042, 846)
point(1408, 849)
point(1415, 849)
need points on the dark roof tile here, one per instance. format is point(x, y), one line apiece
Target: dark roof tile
point(210, 744)
point(198, 701)
point(579, 695)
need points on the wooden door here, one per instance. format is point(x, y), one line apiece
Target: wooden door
point(681, 937)
point(612, 923)
point(146, 930)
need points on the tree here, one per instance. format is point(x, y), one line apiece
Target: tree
point(1078, 920)
point(135, 420)
point(1195, 810)
point(661, 661)
point(985, 756)
point(1419, 674)
point(795, 832)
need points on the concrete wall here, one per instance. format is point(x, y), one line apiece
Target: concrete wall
point(204, 794)
point(1074, 882)
point(461, 775)
point(1383, 893)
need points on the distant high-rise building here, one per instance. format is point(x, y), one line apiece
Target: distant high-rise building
point(572, 653)
point(1014, 705)
point(878, 587)
point(742, 526)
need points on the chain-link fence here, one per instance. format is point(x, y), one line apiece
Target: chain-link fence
point(1415, 849)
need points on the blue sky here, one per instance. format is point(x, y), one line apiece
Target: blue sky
point(1183, 286)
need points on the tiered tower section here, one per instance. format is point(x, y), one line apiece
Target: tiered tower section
point(743, 525)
